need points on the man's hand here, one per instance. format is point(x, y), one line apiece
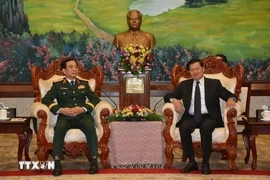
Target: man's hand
point(77, 110)
point(67, 111)
point(72, 112)
point(177, 106)
point(231, 103)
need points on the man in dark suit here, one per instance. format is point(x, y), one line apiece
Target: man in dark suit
point(222, 57)
point(200, 96)
point(134, 35)
point(73, 112)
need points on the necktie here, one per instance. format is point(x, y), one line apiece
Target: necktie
point(197, 104)
point(134, 38)
point(72, 83)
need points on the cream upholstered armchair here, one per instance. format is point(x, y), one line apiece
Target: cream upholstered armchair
point(75, 140)
point(224, 138)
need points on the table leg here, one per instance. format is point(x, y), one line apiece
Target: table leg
point(29, 134)
point(254, 151)
point(245, 136)
point(34, 120)
point(21, 145)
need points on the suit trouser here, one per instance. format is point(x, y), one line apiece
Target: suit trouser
point(187, 126)
point(86, 125)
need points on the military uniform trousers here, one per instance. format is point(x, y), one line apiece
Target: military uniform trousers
point(85, 124)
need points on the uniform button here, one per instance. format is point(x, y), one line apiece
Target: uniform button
point(74, 98)
point(73, 92)
point(75, 104)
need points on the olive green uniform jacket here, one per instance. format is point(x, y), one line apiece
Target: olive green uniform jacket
point(68, 95)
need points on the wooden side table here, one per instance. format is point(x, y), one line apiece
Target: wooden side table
point(21, 127)
point(253, 127)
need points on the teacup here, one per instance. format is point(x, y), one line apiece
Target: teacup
point(3, 114)
point(266, 115)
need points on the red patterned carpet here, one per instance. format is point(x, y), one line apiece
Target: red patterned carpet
point(137, 174)
point(78, 168)
point(133, 171)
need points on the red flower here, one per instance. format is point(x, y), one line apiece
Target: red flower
point(134, 58)
point(136, 54)
point(134, 109)
point(128, 61)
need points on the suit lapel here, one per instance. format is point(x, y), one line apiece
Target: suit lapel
point(189, 89)
point(206, 90)
point(127, 38)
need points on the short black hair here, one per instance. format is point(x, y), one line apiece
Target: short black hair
point(192, 61)
point(223, 57)
point(63, 64)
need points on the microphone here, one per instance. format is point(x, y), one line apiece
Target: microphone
point(110, 99)
point(161, 100)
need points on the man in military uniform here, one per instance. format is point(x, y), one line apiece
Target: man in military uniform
point(134, 35)
point(74, 112)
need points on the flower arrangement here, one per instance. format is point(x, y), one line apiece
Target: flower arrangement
point(133, 113)
point(134, 58)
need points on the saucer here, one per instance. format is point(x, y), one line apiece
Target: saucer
point(265, 119)
point(6, 119)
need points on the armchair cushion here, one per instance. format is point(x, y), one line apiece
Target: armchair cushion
point(73, 135)
point(45, 85)
point(220, 135)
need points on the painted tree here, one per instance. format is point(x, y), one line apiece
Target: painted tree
point(12, 16)
point(200, 3)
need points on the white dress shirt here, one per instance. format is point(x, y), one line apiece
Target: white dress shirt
point(202, 91)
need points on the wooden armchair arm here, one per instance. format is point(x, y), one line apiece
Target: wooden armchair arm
point(230, 123)
point(171, 118)
point(101, 111)
point(41, 112)
point(230, 116)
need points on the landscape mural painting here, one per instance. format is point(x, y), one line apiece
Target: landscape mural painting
point(35, 33)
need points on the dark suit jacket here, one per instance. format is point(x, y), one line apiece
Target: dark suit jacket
point(146, 39)
point(71, 96)
point(213, 91)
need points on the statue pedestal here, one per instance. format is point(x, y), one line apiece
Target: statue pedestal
point(134, 89)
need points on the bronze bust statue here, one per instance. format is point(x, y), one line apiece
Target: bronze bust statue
point(134, 35)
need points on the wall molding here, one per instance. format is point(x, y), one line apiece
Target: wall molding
point(158, 89)
point(110, 88)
